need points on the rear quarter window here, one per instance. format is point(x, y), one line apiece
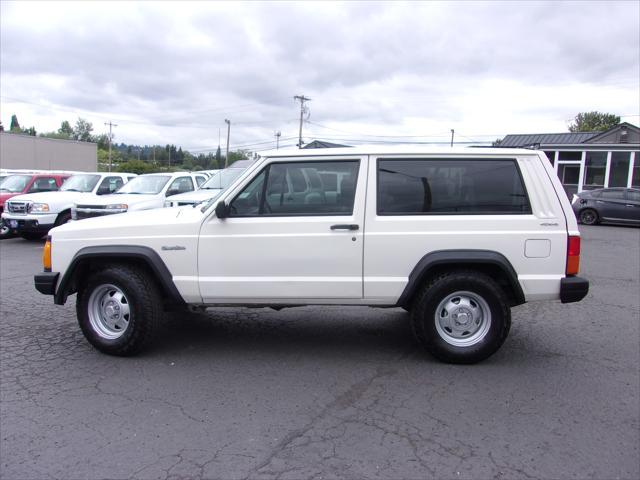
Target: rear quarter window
point(450, 187)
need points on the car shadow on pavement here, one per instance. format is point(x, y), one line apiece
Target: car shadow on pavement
point(297, 330)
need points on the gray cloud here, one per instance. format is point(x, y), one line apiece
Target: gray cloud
point(365, 64)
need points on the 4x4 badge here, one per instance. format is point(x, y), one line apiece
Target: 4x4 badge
point(174, 247)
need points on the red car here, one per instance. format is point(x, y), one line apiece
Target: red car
point(27, 183)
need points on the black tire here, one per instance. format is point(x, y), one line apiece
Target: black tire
point(32, 236)
point(63, 218)
point(480, 288)
point(589, 216)
point(5, 231)
point(144, 301)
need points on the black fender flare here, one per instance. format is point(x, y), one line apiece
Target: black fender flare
point(460, 258)
point(143, 254)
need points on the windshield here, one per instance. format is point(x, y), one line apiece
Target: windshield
point(80, 183)
point(145, 185)
point(15, 183)
point(222, 179)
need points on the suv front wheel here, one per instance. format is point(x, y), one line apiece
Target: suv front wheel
point(461, 317)
point(119, 309)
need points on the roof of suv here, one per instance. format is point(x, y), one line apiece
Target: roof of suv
point(395, 149)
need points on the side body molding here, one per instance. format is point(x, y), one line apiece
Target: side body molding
point(140, 254)
point(432, 262)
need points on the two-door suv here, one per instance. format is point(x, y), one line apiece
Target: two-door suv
point(456, 236)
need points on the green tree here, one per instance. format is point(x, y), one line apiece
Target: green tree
point(135, 166)
point(82, 130)
point(15, 125)
point(593, 122)
point(65, 130)
point(219, 162)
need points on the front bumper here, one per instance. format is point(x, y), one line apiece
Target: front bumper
point(573, 289)
point(46, 282)
point(30, 223)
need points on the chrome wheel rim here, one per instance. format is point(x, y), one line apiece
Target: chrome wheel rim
point(109, 311)
point(463, 319)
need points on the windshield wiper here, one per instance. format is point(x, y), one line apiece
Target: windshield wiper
point(71, 190)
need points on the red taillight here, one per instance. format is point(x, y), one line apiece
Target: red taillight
point(573, 255)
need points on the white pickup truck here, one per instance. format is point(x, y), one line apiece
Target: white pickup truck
point(455, 236)
point(32, 215)
point(143, 193)
point(209, 189)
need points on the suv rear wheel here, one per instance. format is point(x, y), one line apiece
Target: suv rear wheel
point(461, 317)
point(119, 310)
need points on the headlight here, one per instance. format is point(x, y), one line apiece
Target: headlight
point(39, 207)
point(167, 204)
point(117, 206)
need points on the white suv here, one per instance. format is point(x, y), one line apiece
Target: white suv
point(144, 193)
point(456, 236)
point(32, 215)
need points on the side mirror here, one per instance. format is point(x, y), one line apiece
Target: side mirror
point(172, 191)
point(222, 210)
point(103, 190)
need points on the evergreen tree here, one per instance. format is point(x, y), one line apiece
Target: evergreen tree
point(15, 125)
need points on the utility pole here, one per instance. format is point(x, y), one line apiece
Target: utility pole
point(303, 110)
point(110, 135)
point(452, 132)
point(278, 140)
point(154, 155)
point(226, 159)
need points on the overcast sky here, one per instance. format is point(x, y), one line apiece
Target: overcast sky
point(168, 72)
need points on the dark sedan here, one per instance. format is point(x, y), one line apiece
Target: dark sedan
point(614, 205)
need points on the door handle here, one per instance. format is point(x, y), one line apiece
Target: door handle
point(345, 227)
point(627, 205)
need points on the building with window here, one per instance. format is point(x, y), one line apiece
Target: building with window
point(589, 160)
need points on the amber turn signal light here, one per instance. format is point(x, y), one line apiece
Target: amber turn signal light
point(573, 255)
point(46, 255)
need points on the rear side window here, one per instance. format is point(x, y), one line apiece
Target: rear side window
point(613, 194)
point(450, 186)
point(43, 184)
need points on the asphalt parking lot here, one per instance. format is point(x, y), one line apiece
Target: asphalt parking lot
point(325, 392)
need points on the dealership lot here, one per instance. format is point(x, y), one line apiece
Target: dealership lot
point(325, 392)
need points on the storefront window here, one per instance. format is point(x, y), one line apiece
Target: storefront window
point(570, 156)
point(619, 170)
point(595, 166)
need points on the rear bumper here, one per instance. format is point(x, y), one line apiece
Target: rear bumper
point(573, 289)
point(46, 282)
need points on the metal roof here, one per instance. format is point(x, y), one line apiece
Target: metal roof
point(546, 139)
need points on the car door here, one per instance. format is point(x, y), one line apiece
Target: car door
point(288, 236)
point(611, 204)
point(632, 205)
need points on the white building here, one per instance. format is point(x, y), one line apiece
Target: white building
point(589, 160)
point(38, 153)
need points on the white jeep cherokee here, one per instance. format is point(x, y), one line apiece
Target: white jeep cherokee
point(143, 193)
point(32, 215)
point(455, 236)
